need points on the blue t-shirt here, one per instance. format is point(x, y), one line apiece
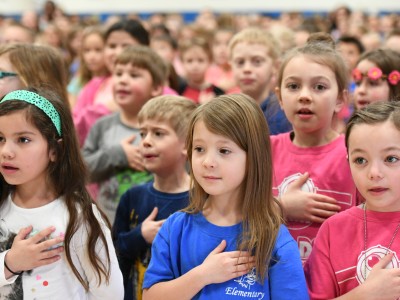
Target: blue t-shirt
point(185, 240)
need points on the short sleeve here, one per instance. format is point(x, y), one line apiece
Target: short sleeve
point(286, 275)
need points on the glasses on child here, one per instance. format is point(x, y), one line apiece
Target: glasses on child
point(7, 74)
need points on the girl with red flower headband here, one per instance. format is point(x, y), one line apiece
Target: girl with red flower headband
point(377, 77)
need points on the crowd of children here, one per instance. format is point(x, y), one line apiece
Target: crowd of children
point(233, 157)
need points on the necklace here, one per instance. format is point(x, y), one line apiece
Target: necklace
point(366, 238)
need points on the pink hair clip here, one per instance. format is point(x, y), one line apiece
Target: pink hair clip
point(394, 77)
point(376, 73)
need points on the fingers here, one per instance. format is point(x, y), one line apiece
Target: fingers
point(325, 201)
point(23, 233)
point(152, 215)
point(43, 234)
point(298, 183)
point(219, 248)
point(384, 261)
point(51, 243)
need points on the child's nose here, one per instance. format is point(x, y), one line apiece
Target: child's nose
point(305, 95)
point(374, 172)
point(7, 151)
point(209, 161)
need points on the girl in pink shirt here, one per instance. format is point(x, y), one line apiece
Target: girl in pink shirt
point(311, 175)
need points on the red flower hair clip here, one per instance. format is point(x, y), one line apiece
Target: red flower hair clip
point(376, 73)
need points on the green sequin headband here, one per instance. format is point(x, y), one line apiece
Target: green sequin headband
point(40, 102)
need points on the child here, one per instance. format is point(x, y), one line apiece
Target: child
point(220, 72)
point(91, 61)
point(311, 176)
point(96, 98)
point(45, 209)
point(356, 252)
point(111, 149)
point(196, 58)
point(230, 240)
point(17, 33)
point(163, 123)
point(254, 56)
point(377, 77)
point(24, 65)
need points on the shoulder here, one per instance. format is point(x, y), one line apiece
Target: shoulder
point(137, 193)
point(342, 217)
point(108, 119)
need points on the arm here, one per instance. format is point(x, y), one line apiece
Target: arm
point(286, 275)
point(102, 160)
point(114, 288)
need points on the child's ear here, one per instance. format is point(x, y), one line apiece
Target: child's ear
point(52, 152)
point(342, 100)
point(184, 151)
point(157, 90)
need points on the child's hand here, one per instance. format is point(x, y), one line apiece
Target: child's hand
point(151, 227)
point(27, 253)
point(305, 206)
point(132, 153)
point(222, 266)
point(382, 283)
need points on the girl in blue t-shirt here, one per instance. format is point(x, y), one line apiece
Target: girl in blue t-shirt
point(230, 241)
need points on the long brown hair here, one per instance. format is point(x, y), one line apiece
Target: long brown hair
point(67, 176)
point(38, 65)
point(239, 118)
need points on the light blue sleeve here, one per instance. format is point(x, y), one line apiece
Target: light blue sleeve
point(286, 275)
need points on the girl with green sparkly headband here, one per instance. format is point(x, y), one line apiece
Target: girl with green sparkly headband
point(54, 241)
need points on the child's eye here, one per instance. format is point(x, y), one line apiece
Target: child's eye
point(2, 139)
point(159, 133)
point(374, 82)
point(239, 62)
point(23, 140)
point(360, 161)
point(292, 86)
point(198, 149)
point(256, 62)
point(224, 151)
point(320, 87)
point(142, 134)
point(391, 159)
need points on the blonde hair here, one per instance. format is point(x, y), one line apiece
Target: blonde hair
point(145, 58)
point(253, 35)
point(38, 66)
point(175, 110)
point(239, 118)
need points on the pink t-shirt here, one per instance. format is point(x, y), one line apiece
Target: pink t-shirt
point(338, 262)
point(86, 112)
point(329, 175)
